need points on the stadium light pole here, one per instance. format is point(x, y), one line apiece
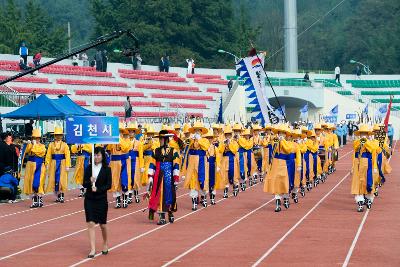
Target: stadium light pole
point(229, 53)
point(366, 67)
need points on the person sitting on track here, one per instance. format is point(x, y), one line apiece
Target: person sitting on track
point(8, 185)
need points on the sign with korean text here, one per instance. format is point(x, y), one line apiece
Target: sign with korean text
point(351, 116)
point(92, 130)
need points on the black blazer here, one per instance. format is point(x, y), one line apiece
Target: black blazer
point(103, 182)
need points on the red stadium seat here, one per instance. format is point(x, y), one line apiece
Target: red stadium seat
point(28, 79)
point(210, 81)
point(191, 97)
point(48, 91)
point(167, 87)
point(203, 76)
point(147, 114)
point(150, 73)
point(91, 82)
point(185, 105)
point(121, 103)
point(153, 77)
point(109, 93)
point(75, 72)
point(213, 90)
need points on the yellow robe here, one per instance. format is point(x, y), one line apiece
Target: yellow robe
point(360, 167)
point(192, 178)
point(265, 144)
point(137, 149)
point(54, 149)
point(37, 150)
point(80, 160)
point(213, 151)
point(277, 180)
point(116, 165)
point(148, 151)
point(233, 147)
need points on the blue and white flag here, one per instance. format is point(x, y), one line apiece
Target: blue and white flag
point(334, 111)
point(381, 112)
point(281, 112)
point(304, 112)
point(365, 111)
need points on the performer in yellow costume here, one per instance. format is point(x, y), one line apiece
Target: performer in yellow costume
point(35, 172)
point(267, 148)
point(280, 179)
point(197, 170)
point(82, 161)
point(247, 163)
point(213, 165)
point(230, 162)
point(149, 145)
point(58, 161)
point(323, 150)
point(333, 142)
point(258, 147)
point(363, 169)
point(137, 162)
point(121, 168)
point(298, 141)
point(185, 150)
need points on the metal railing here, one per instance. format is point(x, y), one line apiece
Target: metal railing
point(11, 98)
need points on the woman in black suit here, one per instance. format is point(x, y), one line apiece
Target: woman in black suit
point(96, 204)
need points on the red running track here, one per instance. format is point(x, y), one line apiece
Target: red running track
point(320, 230)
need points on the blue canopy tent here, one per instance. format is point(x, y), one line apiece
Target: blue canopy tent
point(44, 108)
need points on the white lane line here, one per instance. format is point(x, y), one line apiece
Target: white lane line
point(151, 231)
point(71, 234)
point(353, 244)
point(177, 258)
point(266, 254)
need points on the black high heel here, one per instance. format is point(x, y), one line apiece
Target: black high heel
point(91, 256)
point(104, 252)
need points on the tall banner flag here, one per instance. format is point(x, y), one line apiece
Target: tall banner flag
point(254, 80)
point(333, 115)
point(388, 114)
point(381, 112)
point(304, 113)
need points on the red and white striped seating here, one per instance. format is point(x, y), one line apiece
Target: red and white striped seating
point(133, 103)
point(191, 97)
point(185, 105)
point(91, 82)
point(149, 73)
point(167, 87)
point(156, 114)
point(108, 93)
point(28, 79)
point(152, 77)
point(47, 91)
point(213, 90)
point(203, 76)
point(210, 81)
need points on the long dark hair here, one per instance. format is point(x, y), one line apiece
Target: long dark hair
point(101, 150)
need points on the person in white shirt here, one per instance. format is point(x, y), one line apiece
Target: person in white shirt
point(337, 74)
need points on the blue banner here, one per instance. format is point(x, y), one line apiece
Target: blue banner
point(92, 130)
point(331, 119)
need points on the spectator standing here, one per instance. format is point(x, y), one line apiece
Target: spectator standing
point(99, 60)
point(32, 96)
point(128, 108)
point(23, 52)
point(358, 72)
point(28, 129)
point(306, 77)
point(230, 84)
point(8, 153)
point(85, 59)
point(75, 60)
point(139, 61)
point(161, 64)
point(166, 64)
point(36, 59)
point(390, 135)
point(345, 132)
point(338, 132)
point(190, 66)
point(104, 59)
point(337, 74)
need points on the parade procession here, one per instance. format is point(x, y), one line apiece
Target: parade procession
point(219, 161)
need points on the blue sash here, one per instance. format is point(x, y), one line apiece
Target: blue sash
point(211, 172)
point(270, 150)
point(202, 166)
point(231, 165)
point(241, 162)
point(379, 161)
point(306, 158)
point(370, 179)
point(166, 168)
point(148, 153)
point(86, 161)
point(124, 170)
point(133, 154)
point(58, 158)
point(38, 171)
point(315, 161)
point(249, 153)
point(184, 159)
point(290, 165)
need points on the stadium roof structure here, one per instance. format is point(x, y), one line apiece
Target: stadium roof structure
point(44, 108)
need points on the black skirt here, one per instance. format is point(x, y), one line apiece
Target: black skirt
point(96, 210)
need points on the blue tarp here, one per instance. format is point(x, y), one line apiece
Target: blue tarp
point(44, 108)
